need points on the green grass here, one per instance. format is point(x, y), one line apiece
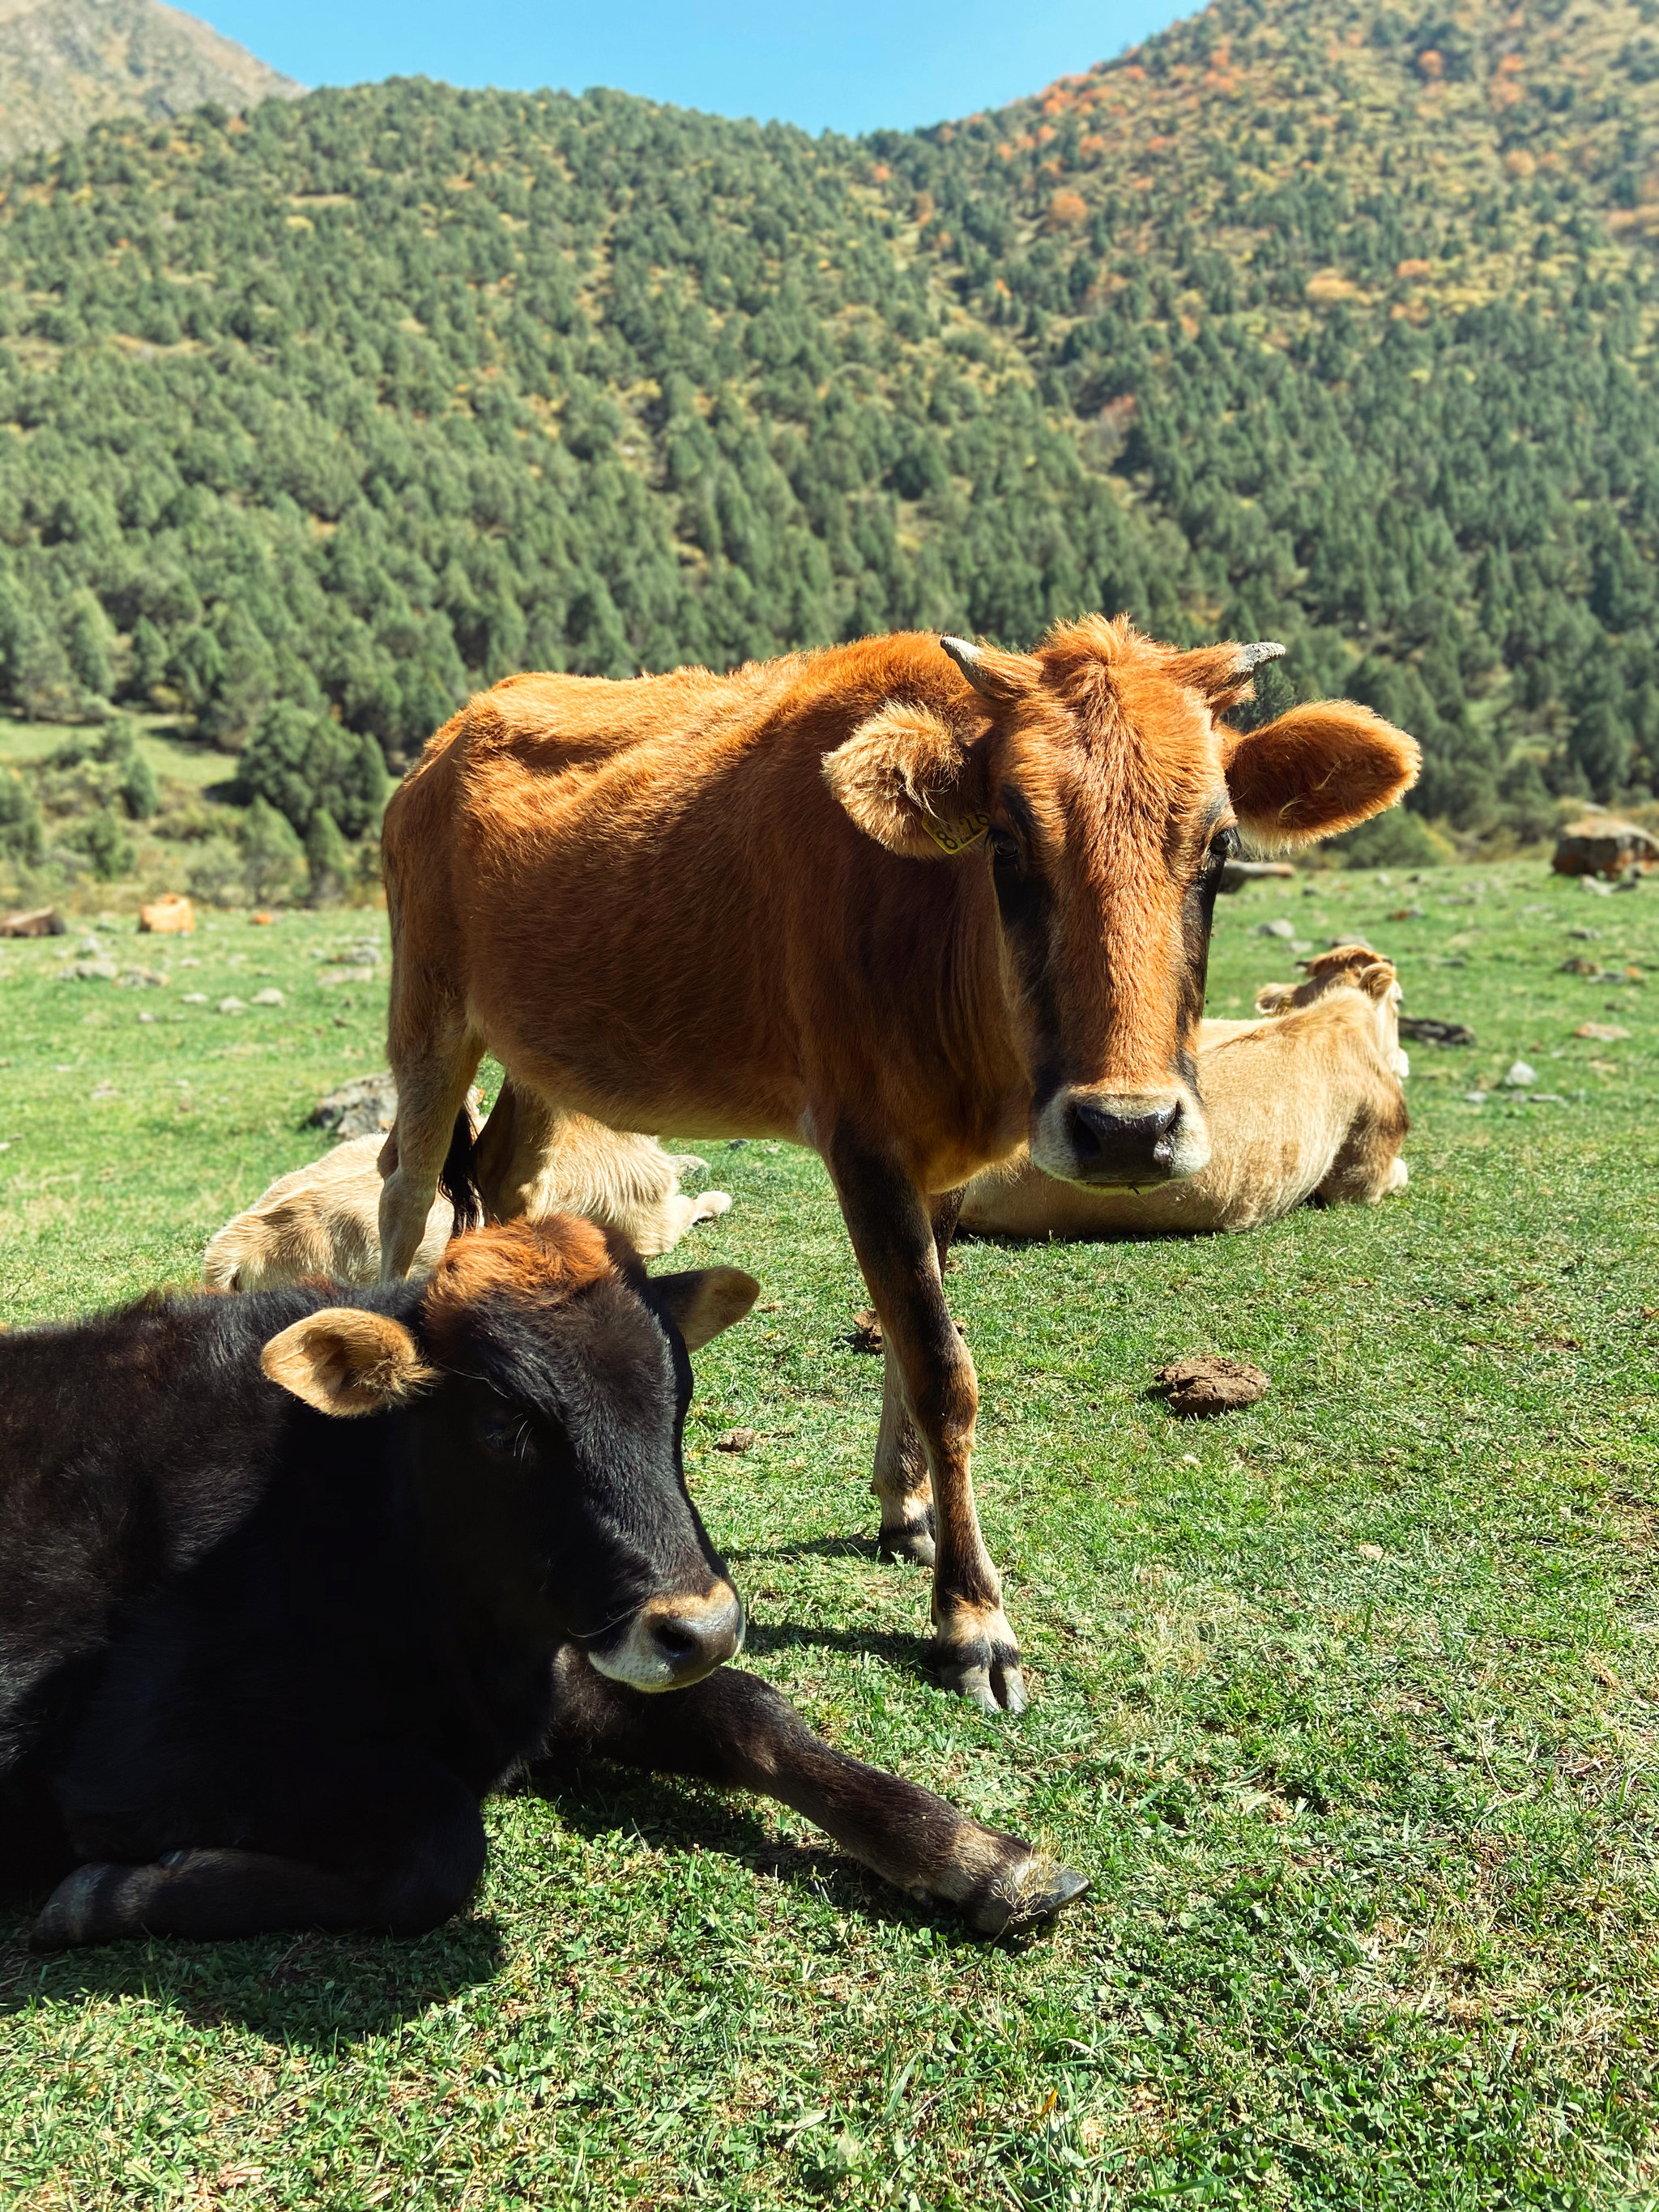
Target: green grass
point(186, 760)
point(1346, 1704)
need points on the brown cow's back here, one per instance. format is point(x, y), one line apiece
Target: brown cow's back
point(666, 920)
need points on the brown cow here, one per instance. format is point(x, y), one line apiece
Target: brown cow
point(1308, 1105)
point(909, 901)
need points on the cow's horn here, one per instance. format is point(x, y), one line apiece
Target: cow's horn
point(968, 659)
point(1252, 656)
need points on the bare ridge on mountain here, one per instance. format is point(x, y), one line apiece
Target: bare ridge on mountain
point(66, 64)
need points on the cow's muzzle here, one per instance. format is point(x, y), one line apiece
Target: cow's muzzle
point(672, 1642)
point(1132, 1139)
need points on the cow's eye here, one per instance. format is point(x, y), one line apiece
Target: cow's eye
point(505, 1433)
point(1004, 850)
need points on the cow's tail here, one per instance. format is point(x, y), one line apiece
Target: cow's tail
point(458, 1179)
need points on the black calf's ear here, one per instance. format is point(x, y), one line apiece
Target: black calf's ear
point(344, 1361)
point(706, 1300)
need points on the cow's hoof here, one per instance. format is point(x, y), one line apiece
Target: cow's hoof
point(984, 1671)
point(914, 1542)
point(1037, 1891)
point(73, 1913)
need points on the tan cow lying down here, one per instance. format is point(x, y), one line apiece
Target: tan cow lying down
point(1305, 1104)
point(324, 1218)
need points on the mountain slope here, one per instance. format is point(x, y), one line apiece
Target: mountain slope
point(1319, 325)
point(65, 64)
point(1362, 303)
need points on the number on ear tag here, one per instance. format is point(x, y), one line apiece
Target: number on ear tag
point(953, 838)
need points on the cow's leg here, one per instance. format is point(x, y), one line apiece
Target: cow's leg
point(516, 1147)
point(433, 1079)
point(734, 1730)
point(901, 1481)
point(893, 1235)
point(415, 1874)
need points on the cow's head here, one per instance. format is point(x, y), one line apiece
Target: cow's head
point(1096, 785)
point(543, 1382)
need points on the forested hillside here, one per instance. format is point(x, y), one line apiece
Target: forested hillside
point(1321, 323)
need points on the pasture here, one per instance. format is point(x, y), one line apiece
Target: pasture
point(1346, 1704)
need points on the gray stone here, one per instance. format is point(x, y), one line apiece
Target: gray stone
point(269, 997)
point(1280, 928)
point(1520, 1077)
point(365, 1107)
point(232, 1006)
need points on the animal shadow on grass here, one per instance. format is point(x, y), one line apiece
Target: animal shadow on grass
point(595, 1799)
point(811, 1547)
point(310, 1990)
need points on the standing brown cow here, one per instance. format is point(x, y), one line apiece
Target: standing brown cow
point(910, 902)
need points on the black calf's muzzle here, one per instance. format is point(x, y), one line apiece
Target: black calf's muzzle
point(672, 1642)
point(1124, 1148)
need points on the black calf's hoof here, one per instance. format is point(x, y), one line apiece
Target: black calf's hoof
point(77, 1910)
point(1037, 1892)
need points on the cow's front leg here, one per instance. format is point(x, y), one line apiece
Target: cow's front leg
point(893, 1234)
point(735, 1730)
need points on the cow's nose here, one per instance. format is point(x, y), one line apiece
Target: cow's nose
point(690, 1637)
point(1115, 1147)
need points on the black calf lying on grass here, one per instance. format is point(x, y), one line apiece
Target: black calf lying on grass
point(287, 1584)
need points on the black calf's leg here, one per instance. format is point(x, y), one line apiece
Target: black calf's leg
point(416, 1879)
point(732, 1729)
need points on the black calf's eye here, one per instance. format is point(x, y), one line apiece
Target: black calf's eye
point(1004, 850)
point(504, 1435)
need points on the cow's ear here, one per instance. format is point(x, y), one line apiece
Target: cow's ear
point(1316, 770)
point(342, 1360)
point(912, 782)
point(705, 1300)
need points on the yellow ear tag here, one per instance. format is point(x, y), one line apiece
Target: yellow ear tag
point(957, 837)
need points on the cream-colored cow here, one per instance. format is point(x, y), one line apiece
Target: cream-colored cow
point(324, 1218)
point(1306, 1103)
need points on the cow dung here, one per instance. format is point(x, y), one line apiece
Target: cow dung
point(735, 1440)
point(1210, 1383)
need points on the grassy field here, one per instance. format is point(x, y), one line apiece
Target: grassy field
point(1345, 1703)
point(186, 760)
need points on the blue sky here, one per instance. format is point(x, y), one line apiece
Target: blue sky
point(851, 66)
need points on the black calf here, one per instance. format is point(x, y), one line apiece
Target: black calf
point(287, 1585)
